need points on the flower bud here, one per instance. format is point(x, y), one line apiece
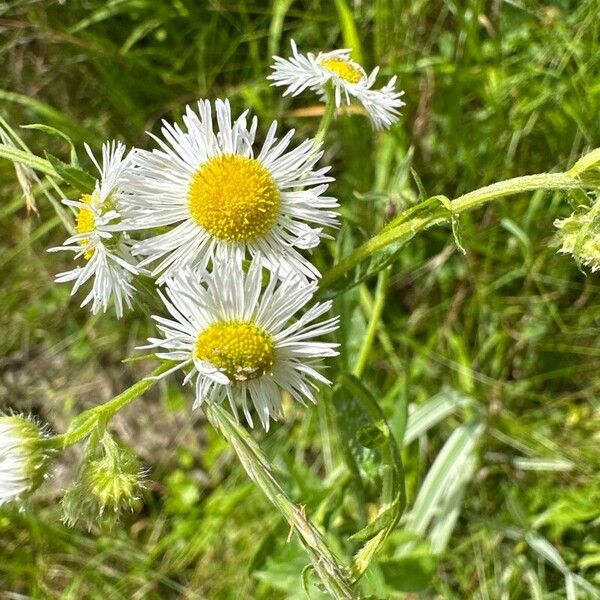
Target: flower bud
point(110, 482)
point(24, 459)
point(579, 235)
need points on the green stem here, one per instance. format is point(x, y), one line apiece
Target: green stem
point(432, 212)
point(88, 420)
point(327, 116)
point(380, 295)
point(335, 577)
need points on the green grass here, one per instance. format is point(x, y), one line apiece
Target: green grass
point(506, 335)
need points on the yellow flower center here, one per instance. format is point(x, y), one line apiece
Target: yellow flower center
point(239, 349)
point(85, 222)
point(344, 68)
point(234, 198)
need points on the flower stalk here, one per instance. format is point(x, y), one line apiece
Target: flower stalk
point(439, 209)
point(334, 576)
point(87, 421)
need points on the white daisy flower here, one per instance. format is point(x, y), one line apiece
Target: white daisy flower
point(23, 461)
point(99, 238)
point(241, 343)
point(305, 71)
point(220, 200)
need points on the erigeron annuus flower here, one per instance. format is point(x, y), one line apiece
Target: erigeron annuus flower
point(23, 459)
point(242, 343)
point(99, 239)
point(221, 200)
point(349, 80)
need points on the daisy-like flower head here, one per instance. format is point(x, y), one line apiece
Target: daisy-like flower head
point(305, 71)
point(242, 343)
point(221, 200)
point(23, 460)
point(99, 239)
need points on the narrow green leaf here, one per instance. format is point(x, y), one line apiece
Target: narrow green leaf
point(75, 177)
point(349, 30)
point(27, 158)
point(444, 470)
point(280, 9)
point(393, 497)
point(432, 412)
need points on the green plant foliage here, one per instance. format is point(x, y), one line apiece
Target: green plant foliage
point(457, 454)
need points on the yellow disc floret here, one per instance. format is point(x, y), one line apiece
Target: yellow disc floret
point(240, 349)
point(344, 68)
point(234, 198)
point(86, 222)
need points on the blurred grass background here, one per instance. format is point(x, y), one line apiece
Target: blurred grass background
point(494, 89)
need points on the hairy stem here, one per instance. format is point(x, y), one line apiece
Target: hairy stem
point(84, 423)
point(435, 211)
point(334, 576)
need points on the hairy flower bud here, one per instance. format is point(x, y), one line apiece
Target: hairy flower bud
point(24, 460)
point(579, 235)
point(110, 482)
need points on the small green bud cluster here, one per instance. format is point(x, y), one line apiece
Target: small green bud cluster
point(579, 235)
point(110, 482)
point(24, 458)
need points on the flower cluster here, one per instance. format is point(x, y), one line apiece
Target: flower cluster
point(222, 225)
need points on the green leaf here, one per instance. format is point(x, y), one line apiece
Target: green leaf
point(393, 499)
point(56, 133)
point(75, 177)
point(26, 158)
point(349, 30)
point(442, 473)
point(372, 436)
point(585, 163)
point(432, 412)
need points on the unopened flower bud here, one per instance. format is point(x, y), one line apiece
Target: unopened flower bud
point(110, 482)
point(24, 459)
point(579, 235)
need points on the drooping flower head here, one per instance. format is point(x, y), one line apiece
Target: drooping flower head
point(242, 343)
point(99, 240)
point(303, 72)
point(219, 198)
point(23, 460)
